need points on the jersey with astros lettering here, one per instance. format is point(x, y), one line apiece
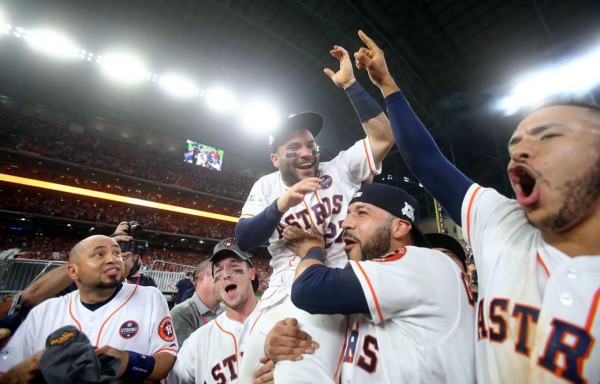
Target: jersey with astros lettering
point(137, 319)
point(420, 325)
point(212, 353)
point(326, 208)
point(537, 309)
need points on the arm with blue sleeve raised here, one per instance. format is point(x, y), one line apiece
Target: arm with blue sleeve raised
point(416, 146)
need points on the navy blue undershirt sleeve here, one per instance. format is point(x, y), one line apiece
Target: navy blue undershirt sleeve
point(255, 231)
point(423, 157)
point(323, 290)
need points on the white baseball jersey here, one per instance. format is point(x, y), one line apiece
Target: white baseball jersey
point(420, 325)
point(213, 353)
point(326, 208)
point(537, 311)
point(137, 319)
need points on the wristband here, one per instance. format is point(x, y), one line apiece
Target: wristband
point(139, 367)
point(315, 253)
point(365, 106)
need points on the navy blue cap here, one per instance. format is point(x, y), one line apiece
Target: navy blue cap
point(312, 121)
point(396, 202)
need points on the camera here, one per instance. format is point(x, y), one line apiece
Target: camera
point(134, 227)
point(134, 246)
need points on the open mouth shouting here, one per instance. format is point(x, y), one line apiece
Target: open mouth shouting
point(306, 167)
point(349, 241)
point(524, 181)
point(230, 290)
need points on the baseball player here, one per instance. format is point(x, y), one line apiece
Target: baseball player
point(305, 192)
point(411, 315)
point(122, 320)
point(212, 353)
point(537, 256)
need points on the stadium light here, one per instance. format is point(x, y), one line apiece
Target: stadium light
point(572, 78)
point(52, 42)
point(220, 99)
point(178, 86)
point(261, 116)
point(123, 67)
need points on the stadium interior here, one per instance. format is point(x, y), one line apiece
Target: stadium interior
point(98, 98)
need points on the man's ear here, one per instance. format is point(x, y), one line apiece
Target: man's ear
point(400, 229)
point(72, 272)
point(275, 160)
point(253, 274)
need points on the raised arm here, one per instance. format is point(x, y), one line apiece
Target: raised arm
point(374, 121)
point(416, 146)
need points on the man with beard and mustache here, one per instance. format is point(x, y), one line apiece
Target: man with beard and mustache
point(537, 256)
point(305, 192)
point(411, 316)
point(126, 321)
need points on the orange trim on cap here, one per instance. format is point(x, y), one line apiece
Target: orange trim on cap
point(371, 289)
point(469, 214)
point(368, 158)
point(539, 259)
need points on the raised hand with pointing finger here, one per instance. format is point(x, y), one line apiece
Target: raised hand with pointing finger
point(373, 59)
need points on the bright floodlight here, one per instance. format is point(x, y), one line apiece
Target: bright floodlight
point(573, 78)
point(178, 86)
point(123, 67)
point(52, 43)
point(261, 116)
point(220, 99)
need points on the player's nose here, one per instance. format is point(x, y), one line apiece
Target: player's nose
point(521, 151)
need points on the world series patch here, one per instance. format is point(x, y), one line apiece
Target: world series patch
point(327, 181)
point(128, 329)
point(165, 330)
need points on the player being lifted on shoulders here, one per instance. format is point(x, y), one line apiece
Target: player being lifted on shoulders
point(304, 192)
point(537, 257)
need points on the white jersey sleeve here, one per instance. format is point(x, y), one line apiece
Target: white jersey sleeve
point(401, 284)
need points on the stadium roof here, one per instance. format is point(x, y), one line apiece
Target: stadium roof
point(451, 58)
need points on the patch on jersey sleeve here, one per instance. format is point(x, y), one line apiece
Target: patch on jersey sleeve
point(165, 329)
point(128, 329)
point(327, 182)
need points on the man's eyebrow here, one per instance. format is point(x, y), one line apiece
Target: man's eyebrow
point(99, 247)
point(535, 131)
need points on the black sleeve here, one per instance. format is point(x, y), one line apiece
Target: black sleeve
point(251, 233)
point(323, 290)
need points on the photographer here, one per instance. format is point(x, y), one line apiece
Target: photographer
point(133, 252)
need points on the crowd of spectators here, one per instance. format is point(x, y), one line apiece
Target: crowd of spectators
point(202, 203)
point(99, 211)
point(24, 133)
